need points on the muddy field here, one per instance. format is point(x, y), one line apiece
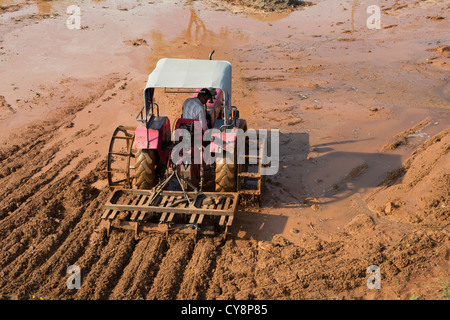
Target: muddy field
point(364, 169)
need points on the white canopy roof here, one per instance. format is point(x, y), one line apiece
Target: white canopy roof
point(192, 74)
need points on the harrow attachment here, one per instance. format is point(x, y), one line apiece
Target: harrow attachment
point(145, 177)
point(167, 209)
point(170, 211)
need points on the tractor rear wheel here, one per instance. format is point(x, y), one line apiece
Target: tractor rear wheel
point(145, 169)
point(226, 175)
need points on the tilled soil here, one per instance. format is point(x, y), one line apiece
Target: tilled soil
point(50, 222)
point(53, 187)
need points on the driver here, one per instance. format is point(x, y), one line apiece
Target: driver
point(193, 108)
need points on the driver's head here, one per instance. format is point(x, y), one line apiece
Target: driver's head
point(204, 95)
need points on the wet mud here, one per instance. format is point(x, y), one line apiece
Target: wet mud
point(364, 149)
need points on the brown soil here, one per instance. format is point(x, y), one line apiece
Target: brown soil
point(364, 169)
point(420, 192)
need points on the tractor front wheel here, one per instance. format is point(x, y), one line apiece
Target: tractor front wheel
point(145, 169)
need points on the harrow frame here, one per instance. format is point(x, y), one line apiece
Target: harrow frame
point(170, 211)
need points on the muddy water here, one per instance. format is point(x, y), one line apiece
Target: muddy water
point(337, 90)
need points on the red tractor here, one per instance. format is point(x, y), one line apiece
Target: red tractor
point(160, 184)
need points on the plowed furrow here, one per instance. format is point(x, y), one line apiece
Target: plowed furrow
point(17, 162)
point(167, 281)
point(51, 232)
point(128, 274)
point(106, 254)
point(27, 235)
point(97, 243)
point(52, 273)
point(38, 217)
point(234, 273)
point(36, 255)
point(32, 195)
point(22, 167)
point(112, 273)
point(198, 271)
point(145, 274)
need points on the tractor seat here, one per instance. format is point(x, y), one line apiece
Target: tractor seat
point(187, 124)
point(191, 126)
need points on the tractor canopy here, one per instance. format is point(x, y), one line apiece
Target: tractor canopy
point(190, 74)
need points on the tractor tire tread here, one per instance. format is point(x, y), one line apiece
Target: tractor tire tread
point(145, 169)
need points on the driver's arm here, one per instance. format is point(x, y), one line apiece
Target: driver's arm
point(202, 119)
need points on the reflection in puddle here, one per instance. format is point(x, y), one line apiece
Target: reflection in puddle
point(44, 7)
point(195, 42)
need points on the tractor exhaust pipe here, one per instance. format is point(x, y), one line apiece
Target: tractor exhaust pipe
point(210, 55)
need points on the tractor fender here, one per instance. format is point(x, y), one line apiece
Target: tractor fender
point(146, 138)
point(228, 136)
point(153, 135)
